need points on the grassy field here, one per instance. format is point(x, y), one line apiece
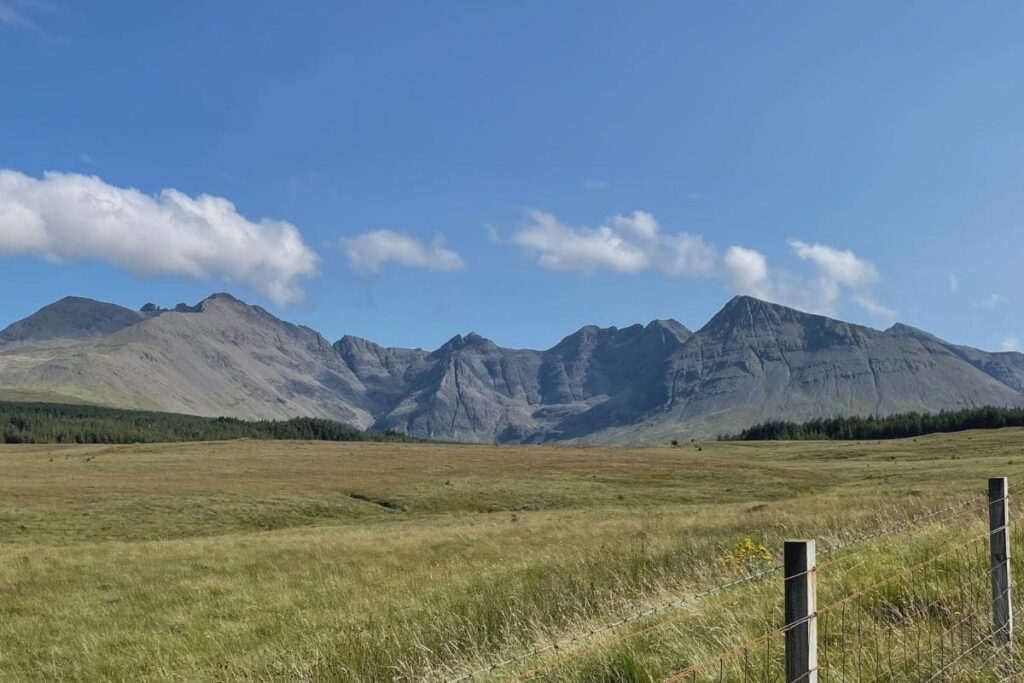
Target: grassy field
point(271, 561)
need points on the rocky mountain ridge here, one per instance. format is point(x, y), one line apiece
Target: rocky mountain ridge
point(753, 361)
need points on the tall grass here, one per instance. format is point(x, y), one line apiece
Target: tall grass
point(254, 561)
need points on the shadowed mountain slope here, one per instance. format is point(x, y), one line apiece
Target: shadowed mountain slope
point(754, 361)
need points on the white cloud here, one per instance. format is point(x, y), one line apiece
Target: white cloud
point(837, 273)
point(747, 272)
point(842, 267)
point(624, 244)
point(686, 255)
point(954, 283)
point(367, 253)
point(563, 248)
point(639, 224)
point(635, 242)
point(1010, 343)
point(873, 307)
point(991, 301)
point(839, 270)
point(66, 217)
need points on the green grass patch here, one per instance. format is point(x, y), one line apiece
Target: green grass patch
point(281, 561)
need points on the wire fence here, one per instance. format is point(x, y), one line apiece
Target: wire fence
point(930, 619)
point(633, 617)
point(892, 630)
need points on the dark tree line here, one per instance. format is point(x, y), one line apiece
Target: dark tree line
point(897, 426)
point(58, 423)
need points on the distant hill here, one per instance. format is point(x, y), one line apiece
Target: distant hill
point(221, 357)
point(70, 319)
point(753, 362)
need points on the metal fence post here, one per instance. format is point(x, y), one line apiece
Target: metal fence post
point(801, 612)
point(999, 528)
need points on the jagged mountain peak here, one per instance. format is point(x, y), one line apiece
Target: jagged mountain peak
point(752, 315)
point(472, 340)
point(351, 345)
point(754, 361)
point(743, 306)
point(225, 308)
point(223, 301)
point(594, 334)
point(226, 297)
point(674, 327)
point(586, 332)
point(903, 330)
point(216, 301)
point(748, 300)
point(350, 341)
point(667, 323)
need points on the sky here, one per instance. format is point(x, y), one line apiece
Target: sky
point(408, 171)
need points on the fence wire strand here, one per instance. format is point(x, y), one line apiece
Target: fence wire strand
point(751, 650)
point(894, 629)
point(641, 614)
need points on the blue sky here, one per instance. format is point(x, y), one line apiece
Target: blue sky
point(406, 171)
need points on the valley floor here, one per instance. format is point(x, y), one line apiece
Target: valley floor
point(272, 561)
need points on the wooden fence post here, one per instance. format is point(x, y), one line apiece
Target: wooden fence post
point(800, 566)
point(999, 528)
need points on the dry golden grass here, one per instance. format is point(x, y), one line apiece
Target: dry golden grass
point(310, 561)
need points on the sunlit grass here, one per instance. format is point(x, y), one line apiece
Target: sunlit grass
point(296, 561)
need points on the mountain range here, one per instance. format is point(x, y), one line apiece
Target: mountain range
point(753, 361)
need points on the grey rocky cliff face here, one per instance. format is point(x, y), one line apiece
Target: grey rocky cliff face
point(753, 361)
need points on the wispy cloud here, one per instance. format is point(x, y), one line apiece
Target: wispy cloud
point(991, 301)
point(493, 236)
point(1010, 343)
point(368, 252)
point(635, 243)
point(874, 308)
point(838, 270)
point(16, 13)
point(954, 283)
point(596, 185)
point(10, 16)
point(65, 217)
